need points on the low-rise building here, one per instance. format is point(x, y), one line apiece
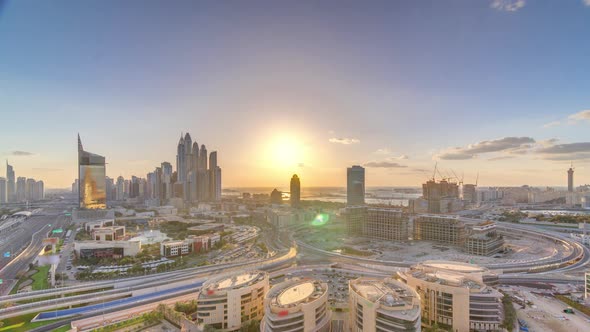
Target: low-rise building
point(110, 233)
point(454, 296)
point(106, 249)
point(175, 248)
point(297, 305)
point(90, 225)
point(384, 305)
point(231, 301)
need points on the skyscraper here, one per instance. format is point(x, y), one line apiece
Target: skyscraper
point(120, 191)
point(10, 184)
point(21, 189)
point(295, 191)
point(91, 178)
point(355, 185)
point(570, 179)
point(2, 190)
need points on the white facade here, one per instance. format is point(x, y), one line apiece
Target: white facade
point(230, 301)
point(384, 305)
point(297, 305)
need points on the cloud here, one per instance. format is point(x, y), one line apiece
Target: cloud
point(507, 144)
point(500, 158)
point(402, 157)
point(344, 140)
point(21, 153)
point(384, 164)
point(552, 123)
point(567, 151)
point(507, 5)
point(586, 2)
point(383, 151)
point(302, 165)
point(580, 116)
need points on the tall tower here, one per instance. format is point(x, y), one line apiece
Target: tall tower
point(295, 191)
point(180, 160)
point(91, 179)
point(570, 179)
point(355, 185)
point(10, 183)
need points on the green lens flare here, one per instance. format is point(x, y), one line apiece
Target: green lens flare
point(321, 219)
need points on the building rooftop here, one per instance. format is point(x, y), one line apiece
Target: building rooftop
point(454, 266)
point(293, 292)
point(387, 292)
point(234, 281)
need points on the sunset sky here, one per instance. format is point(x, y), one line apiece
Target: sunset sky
point(309, 87)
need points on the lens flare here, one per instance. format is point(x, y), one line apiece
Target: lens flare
point(320, 219)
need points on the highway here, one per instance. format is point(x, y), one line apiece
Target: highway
point(30, 237)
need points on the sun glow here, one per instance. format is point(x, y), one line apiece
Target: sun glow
point(285, 152)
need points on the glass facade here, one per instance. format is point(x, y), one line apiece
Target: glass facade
point(91, 179)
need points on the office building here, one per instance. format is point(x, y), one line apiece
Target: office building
point(355, 185)
point(3, 197)
point(91, 178)
point(297, 305)
point(437, 228)
point(570, 179)
point(10, 184)
point(483, 239)
point(384, 305)
point(295, 196)
point(454, 296)
point(229, 302)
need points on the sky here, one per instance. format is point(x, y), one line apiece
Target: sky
point(495, 89)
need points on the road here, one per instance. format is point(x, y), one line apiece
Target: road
point(30, 237)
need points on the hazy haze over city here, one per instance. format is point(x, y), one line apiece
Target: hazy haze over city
point(306, 88)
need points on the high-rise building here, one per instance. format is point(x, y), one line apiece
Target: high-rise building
point(229, 302)
point(297, 305)
point(3, 190)
point(120, 193)
point(570, 179)
point(30, 189)
point(386, 305)
point(75, 187)
point(21, 189)
point(39, 190)
point(295, 191)
point(469, 193)
point(10, 183)
point(110, 188)
point(91, 176)
point(355, 185)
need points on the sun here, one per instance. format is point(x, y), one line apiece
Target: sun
point(285, 152)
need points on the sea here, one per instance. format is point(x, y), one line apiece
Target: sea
point(398, 196)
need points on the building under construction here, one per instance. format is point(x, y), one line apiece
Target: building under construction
point(442, 196)
point(444, 229)
point(484, 240)
point(377, 223)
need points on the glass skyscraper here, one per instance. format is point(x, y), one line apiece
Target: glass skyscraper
point(355, 186)
point(91, 179)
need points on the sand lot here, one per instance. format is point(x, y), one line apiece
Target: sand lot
point(547, 315)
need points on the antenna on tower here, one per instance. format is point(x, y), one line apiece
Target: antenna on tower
point(434, 173)
point(477, 179)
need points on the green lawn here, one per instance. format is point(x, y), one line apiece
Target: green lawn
point(23, 323)
point(40, 278)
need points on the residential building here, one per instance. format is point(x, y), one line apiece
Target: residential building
point(297, 305)
point(3, 193)
point(384, 305)
point(10, 184)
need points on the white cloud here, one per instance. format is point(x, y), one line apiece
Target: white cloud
point(580, 116)
point(552, 123)
point(507, 5)
point(384, 164)
point(586, 2)
point(344, 140)
point(383, 151)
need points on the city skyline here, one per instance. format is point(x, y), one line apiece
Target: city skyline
point(332, 86)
